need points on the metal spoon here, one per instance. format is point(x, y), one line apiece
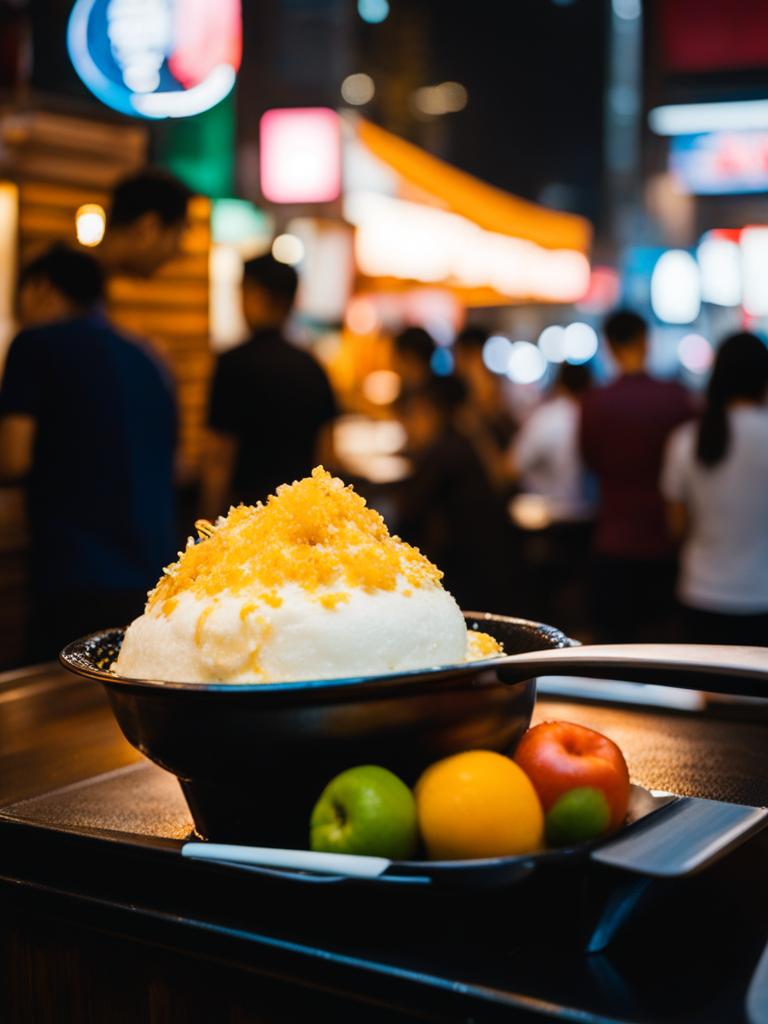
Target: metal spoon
point(739, 671)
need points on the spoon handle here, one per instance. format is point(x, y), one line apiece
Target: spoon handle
point(741, 671)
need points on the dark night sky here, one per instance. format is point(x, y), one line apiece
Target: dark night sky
point(534, 71)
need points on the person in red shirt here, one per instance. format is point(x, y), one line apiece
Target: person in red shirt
point(624, 429)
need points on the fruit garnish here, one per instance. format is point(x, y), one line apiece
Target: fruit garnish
point(478, 804)
point(577, 816)
point(561, 756)
point(365, 810)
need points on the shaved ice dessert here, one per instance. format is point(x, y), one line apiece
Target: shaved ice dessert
point(309, 585)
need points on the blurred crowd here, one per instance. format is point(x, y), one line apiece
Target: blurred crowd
point(621, 512)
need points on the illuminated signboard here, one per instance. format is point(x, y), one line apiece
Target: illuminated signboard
point(156, 58)
point(300, 155)
point(721, 162)
point(400, 239)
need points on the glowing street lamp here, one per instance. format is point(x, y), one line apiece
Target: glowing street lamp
point(90, 223)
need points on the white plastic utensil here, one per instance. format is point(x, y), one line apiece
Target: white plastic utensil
point(350, 865)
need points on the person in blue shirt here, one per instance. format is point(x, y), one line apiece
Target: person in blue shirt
point(88, 423)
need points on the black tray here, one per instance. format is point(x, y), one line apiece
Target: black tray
point(139, 811)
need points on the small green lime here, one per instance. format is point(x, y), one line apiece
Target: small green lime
point(366, 810)
point(577, 816)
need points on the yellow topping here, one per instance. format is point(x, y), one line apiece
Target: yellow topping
point(246, 610)
point(316, 533)
point(204, 528)
point(169, 605)
point(330, 601)
point(484, 645)
point(200, 623)
point(254, 661)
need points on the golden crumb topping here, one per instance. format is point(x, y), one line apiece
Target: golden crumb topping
point(484, 645)
point(316, 533)
point(330, 601)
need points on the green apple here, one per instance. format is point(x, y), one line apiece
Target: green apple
point(577, 816)
point(365, 810)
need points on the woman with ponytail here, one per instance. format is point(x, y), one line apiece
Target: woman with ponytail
point(715, 481)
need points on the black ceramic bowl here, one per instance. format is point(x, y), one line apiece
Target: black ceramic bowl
point(252, 759)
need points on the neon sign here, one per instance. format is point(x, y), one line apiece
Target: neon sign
point(300, 155)
point(721, 163)
point(156, 58)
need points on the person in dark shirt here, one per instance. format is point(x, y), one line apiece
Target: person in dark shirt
point(271, 405)
point(87, 421)
point(486, 416)
point(486, 394)
point(448, 507)
point(413, 351)
point(146, 222)
point(624, 430)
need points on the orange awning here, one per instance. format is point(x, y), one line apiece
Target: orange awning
point(489, 207)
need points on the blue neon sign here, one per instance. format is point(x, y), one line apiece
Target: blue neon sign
point(156, 58)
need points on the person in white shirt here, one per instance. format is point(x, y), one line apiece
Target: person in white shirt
point(546, 454)
point(553, 510)
point(715, 481)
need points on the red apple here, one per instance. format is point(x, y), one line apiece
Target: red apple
point(560, 756)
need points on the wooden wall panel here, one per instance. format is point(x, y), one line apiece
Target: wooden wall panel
point(171, 310)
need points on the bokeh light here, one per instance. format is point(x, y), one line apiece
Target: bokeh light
point(627, 10)
point(496, 352)
point(358, 89)
point(300, 155)
point(362, 317)
point(239, 222)
point(675, 287)
point(580, 343)
point(552, 343)
point(720, 265)
point(445, 98)
point(526, 363)
point(442, 362)
point(90, 223)
point(382, 387)
point(754, 268)
point(373, 11)
point(288, 249)
point(531, 511)
point(695, 353)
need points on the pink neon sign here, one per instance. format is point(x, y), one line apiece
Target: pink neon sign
point(300, 155)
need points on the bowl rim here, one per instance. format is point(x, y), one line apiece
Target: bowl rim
point(71, 659)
